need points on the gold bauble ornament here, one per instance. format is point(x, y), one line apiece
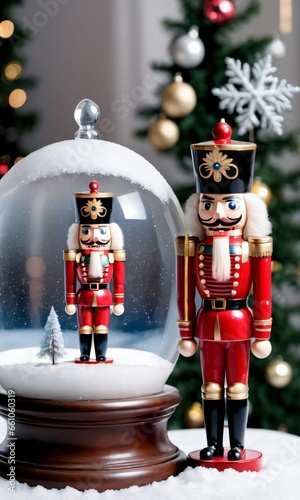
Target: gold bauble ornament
point(163, 133)
point(276, 266)
point(278, 373)
point(194, 417)
point(282, 427)
point(178, 98)
point(262, 190)
point(187, 347)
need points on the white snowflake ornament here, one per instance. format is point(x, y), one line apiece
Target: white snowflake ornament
point(258, 96)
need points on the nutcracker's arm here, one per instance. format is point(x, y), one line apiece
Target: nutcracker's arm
point(119, 276)
point(260, 251)
point(70, 276)
point(185, 250)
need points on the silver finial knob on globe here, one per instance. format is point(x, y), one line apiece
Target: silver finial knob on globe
point(87, 114)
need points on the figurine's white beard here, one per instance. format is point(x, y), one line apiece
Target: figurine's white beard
point(95, 268)
point(221, 258)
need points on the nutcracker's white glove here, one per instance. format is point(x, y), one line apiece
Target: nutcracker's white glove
point(70, 309)
point(187, 347)
point(261, 348)
point(118, 309)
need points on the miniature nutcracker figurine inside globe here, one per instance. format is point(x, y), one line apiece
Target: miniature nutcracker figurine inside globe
point(226, 253)
point(92, 424)
point(95, 257)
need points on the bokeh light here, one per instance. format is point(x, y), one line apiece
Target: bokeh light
point(12, 70)
point(6, 29)
point(17, 98)
point(35, 267)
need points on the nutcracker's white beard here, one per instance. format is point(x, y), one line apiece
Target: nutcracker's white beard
point(95, 268)
point(221, 258)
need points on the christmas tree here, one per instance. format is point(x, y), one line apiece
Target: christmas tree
point(13, 86)
point(53, 342)
point(208, 77)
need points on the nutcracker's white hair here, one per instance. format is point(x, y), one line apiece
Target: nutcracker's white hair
point(257, 221)
point(117, 240)
point(191, 210)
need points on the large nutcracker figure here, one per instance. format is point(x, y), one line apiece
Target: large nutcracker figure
point(95, 258)
point(226, 254)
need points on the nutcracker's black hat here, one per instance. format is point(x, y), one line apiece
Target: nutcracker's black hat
point(223, 166)
point(93, 207)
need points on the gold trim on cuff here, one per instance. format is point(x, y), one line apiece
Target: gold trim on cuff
point(70, 255)
point(119, 255)
point(260, 247)
point(181, 246)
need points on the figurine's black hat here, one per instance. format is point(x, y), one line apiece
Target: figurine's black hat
point(93, 207)
point(223, 166)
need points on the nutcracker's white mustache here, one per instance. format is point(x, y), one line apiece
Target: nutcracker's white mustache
point(220, 222)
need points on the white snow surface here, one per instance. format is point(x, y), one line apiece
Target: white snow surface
point(133, 373)
point(278, 479)
point(88, 156)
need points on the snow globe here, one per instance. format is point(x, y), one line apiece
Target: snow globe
point(87, 425)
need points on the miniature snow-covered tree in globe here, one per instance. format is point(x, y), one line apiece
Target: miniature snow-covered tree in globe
point(53, 345)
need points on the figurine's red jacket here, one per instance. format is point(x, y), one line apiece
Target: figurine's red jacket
point(217, 318)
point(94, 292)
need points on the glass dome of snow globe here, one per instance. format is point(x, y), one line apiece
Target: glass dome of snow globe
point(36, 211)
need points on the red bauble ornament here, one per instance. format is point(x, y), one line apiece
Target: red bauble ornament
point(219, 11)
point(3, 169)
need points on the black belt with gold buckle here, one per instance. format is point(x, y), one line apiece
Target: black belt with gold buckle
point(94, 286)
point(221, 304)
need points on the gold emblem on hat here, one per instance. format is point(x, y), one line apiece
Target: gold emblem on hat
point(93, 209)
point(217, 164)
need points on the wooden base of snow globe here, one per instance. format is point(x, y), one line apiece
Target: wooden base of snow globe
point(108, 444)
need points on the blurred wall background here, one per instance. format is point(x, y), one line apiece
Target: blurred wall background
point(103, 49)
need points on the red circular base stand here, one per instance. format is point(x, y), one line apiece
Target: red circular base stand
point(252, 461)
point(93, 362)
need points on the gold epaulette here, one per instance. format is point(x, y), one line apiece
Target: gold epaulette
point(186, 246)
point(260, 246)
point(70, 254)
point(119, 255)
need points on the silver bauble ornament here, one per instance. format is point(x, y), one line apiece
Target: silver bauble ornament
point(276, 48)
point(188, 50)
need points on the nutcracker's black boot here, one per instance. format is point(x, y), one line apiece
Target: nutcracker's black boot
point(237, 412)
point(214, 425)
point(85, 343)
point(100, 341)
